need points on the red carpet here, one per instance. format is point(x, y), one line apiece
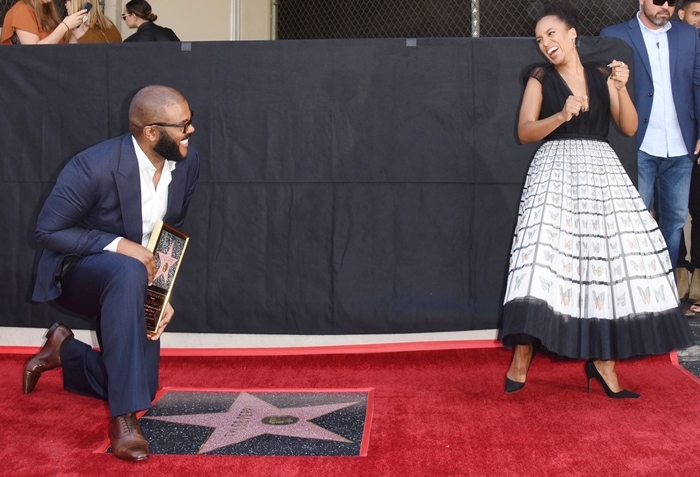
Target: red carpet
point(436, 413)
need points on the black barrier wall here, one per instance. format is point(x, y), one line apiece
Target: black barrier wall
point(350, 186)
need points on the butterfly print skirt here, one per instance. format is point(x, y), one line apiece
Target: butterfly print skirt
point(589, 273)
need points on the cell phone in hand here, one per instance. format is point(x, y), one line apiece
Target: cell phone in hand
point(87, 6)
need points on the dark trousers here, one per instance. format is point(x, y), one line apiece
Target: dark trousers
point(110, 288)
point(694, 210)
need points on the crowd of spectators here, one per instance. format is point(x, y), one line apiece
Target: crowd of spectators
point(38, 22)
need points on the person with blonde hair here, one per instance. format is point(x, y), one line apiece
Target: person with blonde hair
point(100, 28)
point(36, 22)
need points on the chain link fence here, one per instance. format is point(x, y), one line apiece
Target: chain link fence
point(318, 19)
point(322, 19)
point(4, 7)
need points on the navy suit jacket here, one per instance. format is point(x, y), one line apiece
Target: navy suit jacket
point(684, 59)
point(97, 198)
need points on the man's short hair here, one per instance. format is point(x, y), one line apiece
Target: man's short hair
point(686, 3)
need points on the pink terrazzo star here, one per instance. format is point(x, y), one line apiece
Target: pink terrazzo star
point(166, 261)
point(250, 416)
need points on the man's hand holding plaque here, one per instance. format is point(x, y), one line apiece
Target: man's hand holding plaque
point(165, 319)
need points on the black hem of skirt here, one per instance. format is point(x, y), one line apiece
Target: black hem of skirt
point(641, 334)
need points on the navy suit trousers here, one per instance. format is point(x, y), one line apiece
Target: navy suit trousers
point(110, 288)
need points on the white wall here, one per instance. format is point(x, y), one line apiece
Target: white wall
point(205, 20)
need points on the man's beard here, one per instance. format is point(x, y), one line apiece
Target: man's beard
point(169, 149)
point(657, 21)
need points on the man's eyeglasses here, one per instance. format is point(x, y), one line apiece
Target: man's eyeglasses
point(184, 126)
point(124, 15)
point(658, 3)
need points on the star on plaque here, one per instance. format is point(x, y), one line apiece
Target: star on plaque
point(250, 416)
point(166, 261)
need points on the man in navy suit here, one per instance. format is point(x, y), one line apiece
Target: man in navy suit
point(689, 12)
point(93, 229)
point(667, 90)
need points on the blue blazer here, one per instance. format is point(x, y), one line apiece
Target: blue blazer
point(97, 198)
point(684, 58)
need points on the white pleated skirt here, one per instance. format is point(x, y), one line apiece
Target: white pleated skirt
point(589, 273)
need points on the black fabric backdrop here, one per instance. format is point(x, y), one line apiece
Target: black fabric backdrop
point(348, 186)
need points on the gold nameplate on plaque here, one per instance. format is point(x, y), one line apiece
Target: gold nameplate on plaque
point(168, 246)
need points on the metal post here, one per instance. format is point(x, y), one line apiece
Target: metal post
point(273, 20)
point(475, 19)
point(235, 32)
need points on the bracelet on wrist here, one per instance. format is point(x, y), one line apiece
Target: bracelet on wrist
point(66, 24)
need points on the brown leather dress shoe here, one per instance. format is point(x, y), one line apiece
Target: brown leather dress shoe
point(127, 439)
point(48, 357)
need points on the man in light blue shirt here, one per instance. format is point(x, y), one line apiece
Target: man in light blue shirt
point(667, 96)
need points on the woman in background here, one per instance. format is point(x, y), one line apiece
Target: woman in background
point(138, 14)
point(100, 28)
point(36, 22)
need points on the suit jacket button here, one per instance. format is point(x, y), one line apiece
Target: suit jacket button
point(651, 94)
point(646, 120)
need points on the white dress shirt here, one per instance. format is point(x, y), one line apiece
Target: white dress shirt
point(154, 200)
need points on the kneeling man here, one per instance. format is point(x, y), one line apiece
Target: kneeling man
point(93, 229)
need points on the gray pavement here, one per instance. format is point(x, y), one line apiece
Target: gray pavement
point(689, 358)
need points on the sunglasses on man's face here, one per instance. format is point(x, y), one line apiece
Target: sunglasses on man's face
point(658, 3)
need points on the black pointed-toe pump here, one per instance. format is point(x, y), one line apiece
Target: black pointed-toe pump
point(593, 373)
point(515, 386)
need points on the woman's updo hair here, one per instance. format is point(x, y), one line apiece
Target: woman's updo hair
point(563, 10)
point(142, 9)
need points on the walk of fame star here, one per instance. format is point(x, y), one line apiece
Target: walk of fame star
point(250, 417)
